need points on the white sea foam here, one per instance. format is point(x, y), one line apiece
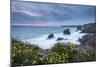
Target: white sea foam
point(45, 43)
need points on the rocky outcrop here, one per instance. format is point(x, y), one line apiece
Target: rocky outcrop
point(59, 38)
point(50, 36)
point(66, 32)
point(89, 28)
point(89, 39)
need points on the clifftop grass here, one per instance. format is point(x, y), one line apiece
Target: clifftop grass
point(28, 54)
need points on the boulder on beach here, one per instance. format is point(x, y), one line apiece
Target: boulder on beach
point(50, 36)
point(66, 32)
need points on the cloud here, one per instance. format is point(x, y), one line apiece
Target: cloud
point(35, 24)
point(53, 14)
point(16, 24)
point(30, 13)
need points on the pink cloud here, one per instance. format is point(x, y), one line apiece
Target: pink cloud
point(15, 24)
point(39, 24)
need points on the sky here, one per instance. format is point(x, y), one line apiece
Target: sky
point(50, 14)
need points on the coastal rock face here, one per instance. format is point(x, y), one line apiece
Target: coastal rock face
point(89, 39)
point(66, 32)
point(50, 36)
point(89, 28)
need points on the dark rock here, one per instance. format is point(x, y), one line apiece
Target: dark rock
point(79, 27)
point(66, 32)
point(50, 36)
point(60, 39)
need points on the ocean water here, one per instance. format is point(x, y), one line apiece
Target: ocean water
point(38, 35)
point(28, 32)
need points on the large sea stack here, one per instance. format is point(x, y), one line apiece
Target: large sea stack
point(66, 32)
point(50, 36)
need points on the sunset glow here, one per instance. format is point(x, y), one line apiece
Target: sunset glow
point(39, 25)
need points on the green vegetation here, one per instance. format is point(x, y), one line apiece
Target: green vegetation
point(28, 54)
point(23, 54)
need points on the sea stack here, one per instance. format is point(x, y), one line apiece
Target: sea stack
point(66, 32)
point(50, 36)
